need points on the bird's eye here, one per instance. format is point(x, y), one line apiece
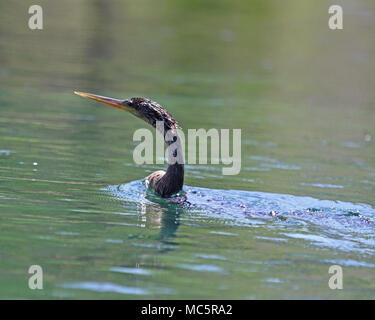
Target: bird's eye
point(129, 103)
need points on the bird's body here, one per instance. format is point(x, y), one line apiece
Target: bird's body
point(167, 183)
point(164, 183)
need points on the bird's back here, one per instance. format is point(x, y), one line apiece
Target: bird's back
point(153, 180)
point(159, 182)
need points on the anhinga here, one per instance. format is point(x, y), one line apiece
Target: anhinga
point(165, 183)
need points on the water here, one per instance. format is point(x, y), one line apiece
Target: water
point(73, 201)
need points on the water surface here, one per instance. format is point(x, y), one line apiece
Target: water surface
point(73, 201)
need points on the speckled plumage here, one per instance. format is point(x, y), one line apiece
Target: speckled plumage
point(151, 111)
point(165, 183)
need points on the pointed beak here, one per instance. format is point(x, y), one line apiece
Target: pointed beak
point(119, 104)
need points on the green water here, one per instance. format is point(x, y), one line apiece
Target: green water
point(70, 196)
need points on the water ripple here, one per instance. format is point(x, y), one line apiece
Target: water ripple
point(105, 287)
point(339, 225)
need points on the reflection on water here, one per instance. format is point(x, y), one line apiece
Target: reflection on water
point(301, 93)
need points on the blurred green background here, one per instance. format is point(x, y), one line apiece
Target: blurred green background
point(273, 69)
point(302, 94)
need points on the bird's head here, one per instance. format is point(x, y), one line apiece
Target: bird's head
point(145, 109)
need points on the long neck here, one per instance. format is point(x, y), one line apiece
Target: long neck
point(174, 177)
point(175, 171)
